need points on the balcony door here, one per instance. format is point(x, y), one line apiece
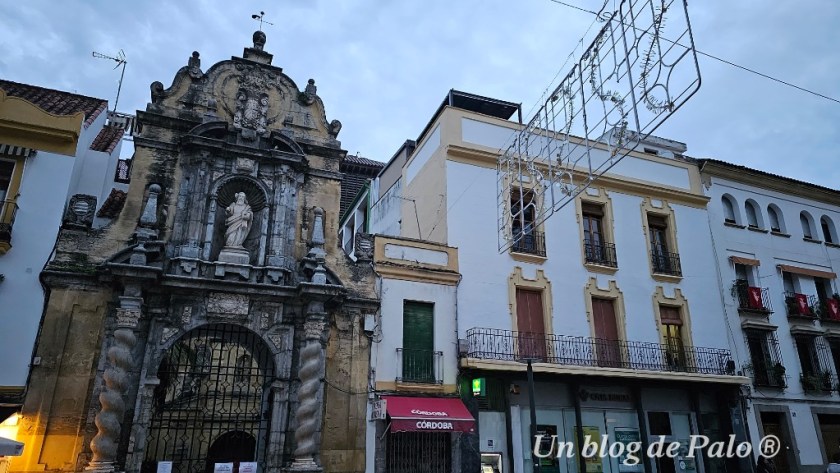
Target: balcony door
point(607, 348)
point(530, 324)
point(673, 336)
point(418, 342)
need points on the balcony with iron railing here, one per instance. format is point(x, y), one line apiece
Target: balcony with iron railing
point(506, 345)
point(801, 305)
point(8, 212)
point(750, 298)
point(769, 375)
point(665, 262)
point(821, 382)
point(600, 253)
point(419, 366)
point(531, 242)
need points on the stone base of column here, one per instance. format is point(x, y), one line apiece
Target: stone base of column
point(101, 467)
point(303, 465)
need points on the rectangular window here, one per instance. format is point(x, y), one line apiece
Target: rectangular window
point(597, 248)
point(523, 214)
point(765, 360)
point(6, 168)
point(418, 342)
point(806, 349)
point(664, 261)
point(672, 333)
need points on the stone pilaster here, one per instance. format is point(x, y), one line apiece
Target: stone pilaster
point(109, 419)
point(311, 392)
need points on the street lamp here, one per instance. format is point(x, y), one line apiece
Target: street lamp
point(533, 409)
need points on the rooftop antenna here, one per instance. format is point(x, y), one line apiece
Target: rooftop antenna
point(260, 17)
point(120, 59)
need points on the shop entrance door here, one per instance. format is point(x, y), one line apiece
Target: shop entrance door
point(674, 427)
point(620, 425)
point(830, 429)
point(774, 424)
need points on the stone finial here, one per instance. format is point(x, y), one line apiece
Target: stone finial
point(146, 229)
point(309, 93)
point(157, 91)
point(316, 251)
point(335, 127)
point(194, 66)
point(259, 40)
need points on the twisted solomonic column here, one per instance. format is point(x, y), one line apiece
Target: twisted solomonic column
point(110, 416)
point(309, 395)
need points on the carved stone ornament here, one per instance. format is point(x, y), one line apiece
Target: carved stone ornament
point(227, 304)
point(276, 339)
point(80, 211)
point(186, 316)
point(252, 104)
point(314, 329)
point(244, 164)
point(127, 318)
point(167, 334)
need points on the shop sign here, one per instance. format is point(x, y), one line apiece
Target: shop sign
point(378, 411)
point(433, 425)
point(604, 397)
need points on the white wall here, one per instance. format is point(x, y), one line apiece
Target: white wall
point(771, 250)
point(43, 192)
point(483, 292)
point(394, 292)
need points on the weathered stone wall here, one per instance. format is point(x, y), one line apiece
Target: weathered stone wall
point(53, 424)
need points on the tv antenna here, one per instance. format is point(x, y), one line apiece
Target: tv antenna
point(260, 17)
point(121, 61)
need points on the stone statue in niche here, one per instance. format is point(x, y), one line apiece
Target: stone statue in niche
point(238, 222)
point(239, 217)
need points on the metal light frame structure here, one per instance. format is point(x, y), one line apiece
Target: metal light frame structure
point(623, 87)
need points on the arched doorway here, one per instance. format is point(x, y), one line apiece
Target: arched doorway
point(212, 400)
point(232, 447)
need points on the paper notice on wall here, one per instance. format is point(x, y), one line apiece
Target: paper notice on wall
point(164, 467)
point(223, 468)
point(628, 463)
point(248, 467)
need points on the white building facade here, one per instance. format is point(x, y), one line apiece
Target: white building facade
point(55, 149)
point(609, 299)
point(777, 248)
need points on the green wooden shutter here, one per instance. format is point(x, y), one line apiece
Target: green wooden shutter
point(418, 342)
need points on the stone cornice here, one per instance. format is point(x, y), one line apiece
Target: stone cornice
point(769, 181)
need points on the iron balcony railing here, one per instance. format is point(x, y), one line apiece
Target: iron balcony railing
point(751, 298)
point(665, 262)
point(819, 382)
point(8, 211)
point(767, 376)
point(600, 253)
point(531, 242)
point(801, 305)
point(419, 366)
point(506, 345)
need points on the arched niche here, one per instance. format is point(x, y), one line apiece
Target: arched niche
point(222, 196)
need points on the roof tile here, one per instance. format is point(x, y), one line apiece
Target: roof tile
point(56, 101)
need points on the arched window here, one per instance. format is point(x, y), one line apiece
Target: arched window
point(752, 214)
point(828, 230)
point(728, 209)
point(805, 221)
point(775, 217)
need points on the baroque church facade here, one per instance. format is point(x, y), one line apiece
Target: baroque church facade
point(215, 318)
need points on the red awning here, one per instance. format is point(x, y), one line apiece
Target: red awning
point(435, 414)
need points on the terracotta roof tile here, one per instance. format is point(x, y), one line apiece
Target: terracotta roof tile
point(56, 101)
point(107, 139)
point(360, 161)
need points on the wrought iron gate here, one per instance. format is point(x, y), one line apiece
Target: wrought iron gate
point(212, 402)
point(419, 452)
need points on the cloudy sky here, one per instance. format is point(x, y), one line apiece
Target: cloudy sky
point(382, 67)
